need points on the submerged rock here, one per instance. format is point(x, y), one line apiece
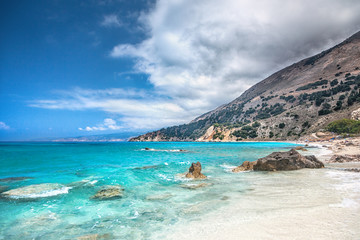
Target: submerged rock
point(146, 167)
point(95, 237)
point(3, 188)
point(109, 192)
point(300, 148)
point(245, 166)
point(36, 191)
point(195, 171)
point(344, 158)
point(15, 179)
point(352, 170)
point(159, 197)
point(283, 161)
point(195, 186)
point(149, 149)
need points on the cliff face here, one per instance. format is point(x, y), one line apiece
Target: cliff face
point(293, 102)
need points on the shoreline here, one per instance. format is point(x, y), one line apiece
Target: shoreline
point(324, 202)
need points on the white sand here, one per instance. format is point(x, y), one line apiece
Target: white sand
point(303, 204)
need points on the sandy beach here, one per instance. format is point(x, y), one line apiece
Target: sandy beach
point(303, 204)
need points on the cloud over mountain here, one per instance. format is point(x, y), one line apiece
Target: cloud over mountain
point(201, 54)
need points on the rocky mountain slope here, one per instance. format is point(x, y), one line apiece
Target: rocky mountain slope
point(293, 102)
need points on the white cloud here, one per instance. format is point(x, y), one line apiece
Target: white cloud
point(211, 51)
point(111, 20)
point(201, 54)
point(138, 109)
point(3, 126)
point(108, 124)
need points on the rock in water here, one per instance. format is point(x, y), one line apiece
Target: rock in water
point(195, 186)
point(195, 171)
point(3, 188)
point(36, 191)
point(109, 192)
point(245, 166)
point(300, 148)
point(344, 158)
point(14, 179)
point(283, 161)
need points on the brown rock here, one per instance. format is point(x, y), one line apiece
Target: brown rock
point(109, 192)
point(195, 171)
point(300, 148)
point(344, 158)
point(245, 166)
point(284, 161)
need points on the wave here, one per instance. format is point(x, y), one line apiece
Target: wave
point(37, 191)
point(227, 168)
point(163, 150)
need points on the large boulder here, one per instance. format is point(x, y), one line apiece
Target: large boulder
point(109, 192)
point(284, 161)
point(245, 166)
point(195, 171)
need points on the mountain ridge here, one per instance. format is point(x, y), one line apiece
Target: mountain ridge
point(291, 91)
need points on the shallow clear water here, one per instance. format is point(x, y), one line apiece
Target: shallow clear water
point(155, 199)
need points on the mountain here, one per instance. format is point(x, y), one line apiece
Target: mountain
point(293, 102)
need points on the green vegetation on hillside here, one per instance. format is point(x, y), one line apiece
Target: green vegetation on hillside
point(344, 126)
point(246, 132)
point(312, 85)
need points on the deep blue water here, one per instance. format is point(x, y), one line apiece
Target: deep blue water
point(153, 197)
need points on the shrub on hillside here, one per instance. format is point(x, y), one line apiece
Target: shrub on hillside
point(344, 126)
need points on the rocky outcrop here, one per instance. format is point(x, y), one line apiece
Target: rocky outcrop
point(245, 166)
point(109, 192)
point(195, 171)
point(284, 161)
point(344, 158)
point(355, 115)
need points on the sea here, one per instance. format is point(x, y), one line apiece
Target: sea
point(158, 202)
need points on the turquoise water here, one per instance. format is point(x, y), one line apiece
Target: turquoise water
point(154, 198)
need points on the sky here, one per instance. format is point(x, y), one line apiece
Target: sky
point(90, 67)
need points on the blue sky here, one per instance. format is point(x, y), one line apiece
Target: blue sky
point(74, 68)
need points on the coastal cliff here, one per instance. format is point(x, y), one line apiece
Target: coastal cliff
point(296, 101)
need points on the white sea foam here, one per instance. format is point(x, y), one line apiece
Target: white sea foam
point(346, 203)
point(37, 191)
point(227, 168)
point(163, 150)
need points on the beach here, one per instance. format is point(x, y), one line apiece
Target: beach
point(303, 204)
